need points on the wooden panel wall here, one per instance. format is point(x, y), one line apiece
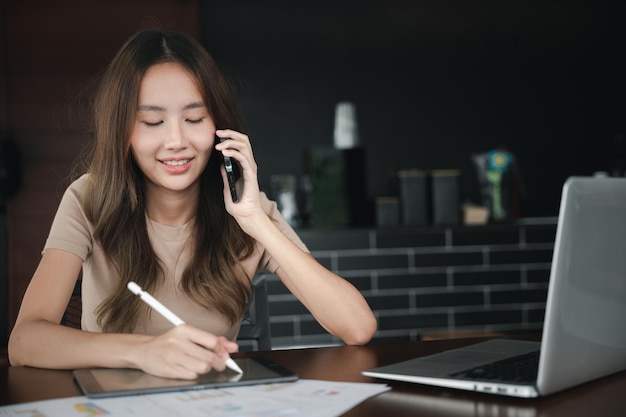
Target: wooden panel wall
point(52, 51)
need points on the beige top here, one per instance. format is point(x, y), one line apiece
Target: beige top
point(72, 232)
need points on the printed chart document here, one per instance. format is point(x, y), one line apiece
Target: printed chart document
point(311, 398)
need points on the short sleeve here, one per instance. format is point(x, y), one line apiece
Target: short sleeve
point(271, 209)
point(70, 230)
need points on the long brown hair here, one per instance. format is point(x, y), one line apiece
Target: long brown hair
point(115, 201)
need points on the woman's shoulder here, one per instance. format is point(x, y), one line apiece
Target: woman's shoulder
point(77, 188)
point(79, 185)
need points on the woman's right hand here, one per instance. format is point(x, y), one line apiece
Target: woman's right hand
point(184, 352)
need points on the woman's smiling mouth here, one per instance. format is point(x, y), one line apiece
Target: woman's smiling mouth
point(176, 162)
point(176, 166)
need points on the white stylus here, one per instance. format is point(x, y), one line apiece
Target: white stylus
point(173, 318)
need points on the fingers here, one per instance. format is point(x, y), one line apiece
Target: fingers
point(233, 135)
point(186, 352)
point(237, 145)
point(233, 140)
point(248, 210)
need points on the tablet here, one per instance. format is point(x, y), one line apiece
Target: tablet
point(100, 382)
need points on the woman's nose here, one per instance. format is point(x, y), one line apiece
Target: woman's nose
point(176, 137)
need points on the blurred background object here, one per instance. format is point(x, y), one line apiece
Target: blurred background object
point(446, 196)
point(500, 183)
point(346, 133)
point(284, 193)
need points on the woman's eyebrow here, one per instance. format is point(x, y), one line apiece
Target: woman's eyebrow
point(194, 105)
point(150, 107)
point(153, 107)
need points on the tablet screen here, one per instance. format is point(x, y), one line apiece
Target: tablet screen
point(114, 382)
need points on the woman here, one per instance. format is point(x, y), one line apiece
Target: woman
point(154, 207)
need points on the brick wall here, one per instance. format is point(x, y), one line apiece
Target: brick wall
point(423, 280)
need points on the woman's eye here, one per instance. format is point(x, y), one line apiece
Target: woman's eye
point(153, 124)
point(195, 121)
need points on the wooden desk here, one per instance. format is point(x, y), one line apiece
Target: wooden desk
point(605, 397)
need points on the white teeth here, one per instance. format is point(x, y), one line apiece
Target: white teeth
point(176, 163)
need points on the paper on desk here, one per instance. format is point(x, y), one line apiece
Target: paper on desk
point(312, 398)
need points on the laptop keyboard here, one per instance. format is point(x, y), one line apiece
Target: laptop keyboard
point(519, 369)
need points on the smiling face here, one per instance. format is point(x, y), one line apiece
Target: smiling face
point(173, 133)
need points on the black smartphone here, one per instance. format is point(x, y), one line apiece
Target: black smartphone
point(230, 174)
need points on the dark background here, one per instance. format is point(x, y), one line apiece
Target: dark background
point(433, 82)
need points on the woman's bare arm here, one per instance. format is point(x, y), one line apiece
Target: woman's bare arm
point(335, 303)
point(39, 340)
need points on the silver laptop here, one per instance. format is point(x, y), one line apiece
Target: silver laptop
point(584, 336)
